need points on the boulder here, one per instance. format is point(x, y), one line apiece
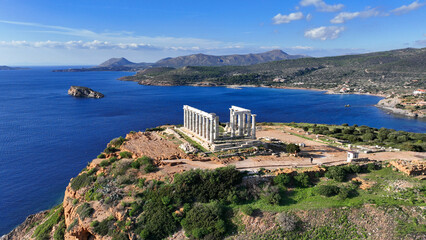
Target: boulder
point(78, 91)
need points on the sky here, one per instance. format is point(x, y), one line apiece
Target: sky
point(88, 32)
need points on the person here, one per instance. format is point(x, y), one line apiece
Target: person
point(312, 159)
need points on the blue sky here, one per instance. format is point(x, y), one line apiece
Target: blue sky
point(90, 31)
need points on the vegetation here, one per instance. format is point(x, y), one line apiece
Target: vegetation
point(81, 180)
point(371, 72)
point(125, 154)
point(364, 135)
point(84, 211)
point(56, 215)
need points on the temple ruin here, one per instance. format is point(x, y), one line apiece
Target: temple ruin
point(204, 128)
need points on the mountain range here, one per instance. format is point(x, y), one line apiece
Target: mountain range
point(122, 64)
point(385, 72)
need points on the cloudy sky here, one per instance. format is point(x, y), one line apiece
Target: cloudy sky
point(87, 32)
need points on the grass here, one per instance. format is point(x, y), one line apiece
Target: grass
point(81, 180)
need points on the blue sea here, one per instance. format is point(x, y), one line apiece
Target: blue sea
point(47, 137)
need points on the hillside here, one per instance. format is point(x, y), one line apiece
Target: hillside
point(380, 72)
point(122, 64)
point(144, 187)
point(11, 68)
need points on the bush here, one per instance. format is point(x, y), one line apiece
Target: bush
point(85, 210)
point(101, 155)
point(60, 231)
point(105, 227)
point(120, 168)
point(286, 221)
point(337, 173)
point(126, 155)
point(206, 185)
point(247, 210)
point(104, 163)
point(302, 180)
point(282, 180)
point(328, 190)
point(81, 180)
point(110, 149)
point(347, 192)
point(271, 194)
point(292, 148)
point(205, 221)
point(54, 217)
point(117, 142)
point(135, 164)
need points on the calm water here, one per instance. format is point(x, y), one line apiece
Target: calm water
point(47, 137)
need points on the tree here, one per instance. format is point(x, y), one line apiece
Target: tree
point(292, 148)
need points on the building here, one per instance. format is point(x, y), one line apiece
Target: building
point(419, 92)
point(351, 156)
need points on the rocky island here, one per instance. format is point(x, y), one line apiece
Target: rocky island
point(77, 91)
point(151, 185)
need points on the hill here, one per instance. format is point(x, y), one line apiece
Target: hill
point(385, 72)
point(122, 64)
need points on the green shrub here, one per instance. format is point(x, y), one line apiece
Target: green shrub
point(104, 227)
point(84, 211)
point(112, 159)
point(206, 185)
point(72, 225)
point(286, 221)
point(282, 180)
point(141, 182)
point(205, 221)
point(43, 230)
point(120, 168)
point(105, 163)
point(159, 129)
point(327, 190)
point(337, 173)
point(110, 149)
point(101, 155)
point(271, 194)
point(292, 148)
point(117, 142)
point(302, 180)
point(126, 155)
point(150, 168)
point(60, 231)
point(247, 210)
point(81, 180)
point(135, 164)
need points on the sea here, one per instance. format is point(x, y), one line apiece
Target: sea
point(47, 137)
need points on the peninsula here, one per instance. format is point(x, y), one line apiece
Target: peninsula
point(11, 68)
point(244, 180)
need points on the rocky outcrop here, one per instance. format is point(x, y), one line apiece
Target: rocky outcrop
point(25, 229)
point(390, 104)
point(78, 91)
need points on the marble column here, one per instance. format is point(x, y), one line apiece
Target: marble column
point(232, 122)
point(216, 127)
point(240, 124)
point(249, 124)
point(253, 126)
point(192, 121)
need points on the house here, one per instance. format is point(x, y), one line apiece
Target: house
point(419, 92)
point(351, 156)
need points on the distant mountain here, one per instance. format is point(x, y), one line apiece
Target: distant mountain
point(122, 64)
point(232, 60)
point(11, 68)
point(116, 62)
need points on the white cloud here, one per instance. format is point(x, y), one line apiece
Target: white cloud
point(95, 44)
point(301, 48)
point(324, 33)
point(421, 43)
point(121, 37)
point(345, 16)
point(321, 6)
point(280, 19)
point(407, 8)
point(308, 17)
